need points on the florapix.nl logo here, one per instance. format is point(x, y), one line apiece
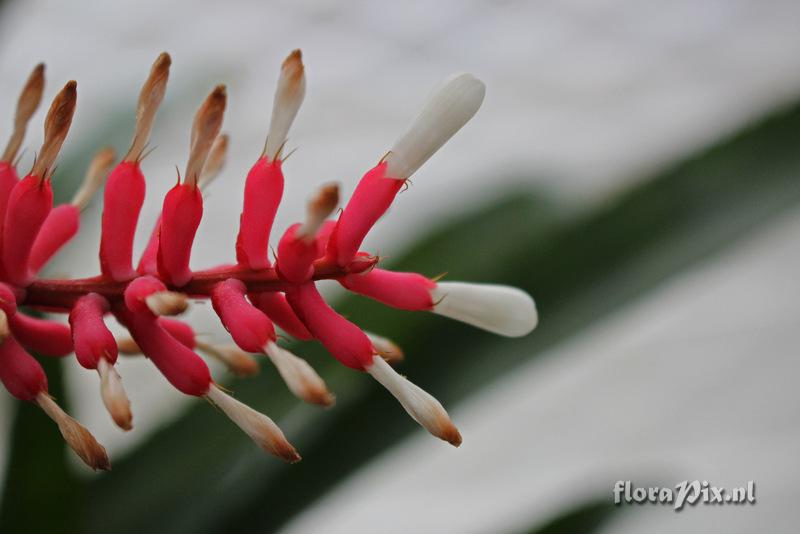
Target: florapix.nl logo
point(686, 492)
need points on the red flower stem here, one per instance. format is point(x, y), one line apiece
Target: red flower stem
point(62, 294)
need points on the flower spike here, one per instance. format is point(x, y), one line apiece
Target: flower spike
point(249, 296)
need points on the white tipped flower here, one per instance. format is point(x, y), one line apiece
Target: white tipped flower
point(114, 396)
point(77, 437)
point(445, 112)
point(387, 348)
point(300, 377)
point(288, 98)
point(421, 406)
point(167, 303)
point(504, 310)
point(258, 426)
point(238, 361)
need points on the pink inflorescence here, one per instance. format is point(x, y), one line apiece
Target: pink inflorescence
point(250, 297)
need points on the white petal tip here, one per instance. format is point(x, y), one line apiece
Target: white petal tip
point(504, 310)
point(447, 110)
point(387, 348)
point(301, 379)
point(261, 429)
point(114, 396)
point(166, 303)
point(420, 405)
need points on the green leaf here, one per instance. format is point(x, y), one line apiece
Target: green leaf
point(584, 519)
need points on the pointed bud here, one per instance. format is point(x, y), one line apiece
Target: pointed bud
point(504, 310)
point(319, 209)
point(258, 426)
point(28, 102)
point(420, 405)
point(239, 362)
point(167, 303)
point(205, 129)
point(77, 437)
point(128, 347)
point(387, 348)
point(56, 127)
point(288, 98)
point(114, 397)
point(98, 170)
point(150, 98)
point(447, 110)
point(215, 162)
point(302, 380)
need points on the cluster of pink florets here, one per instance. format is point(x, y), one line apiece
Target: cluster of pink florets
point(249, 296)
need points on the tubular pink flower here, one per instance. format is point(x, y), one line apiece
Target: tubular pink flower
point(180, 330)
point(8, 179)
point(20, 373)
point(407, 291)
point(90, 335)
point(58, 229)
point(277, 308)
point(372, 197)
point(122, 202)
point(248, 326)
point(344, 340)
point(184, 369)
point(29, 204)
point(296, 256)
point(48, 338)
point(263, 190)
point(148, 263)
point(183, 209)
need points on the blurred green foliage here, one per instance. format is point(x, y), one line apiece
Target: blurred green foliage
point(199, 474)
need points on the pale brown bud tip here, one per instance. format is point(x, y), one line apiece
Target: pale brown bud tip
point(4, 329)
point(215, 161)
point(167, 303)
point(77, 437)
point(261, 429)
point(205, 129)
point(238, 361)
point(95, 176)
point(288, 98)
point(114, 397)
point(150, 98)
point(56, 127)
point(28, 102)
point(301, 379)
point(387, 348)
point(128, 347)
point(319, 209)
point(419, 404)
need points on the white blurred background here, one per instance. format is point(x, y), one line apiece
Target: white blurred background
point(586, 95)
